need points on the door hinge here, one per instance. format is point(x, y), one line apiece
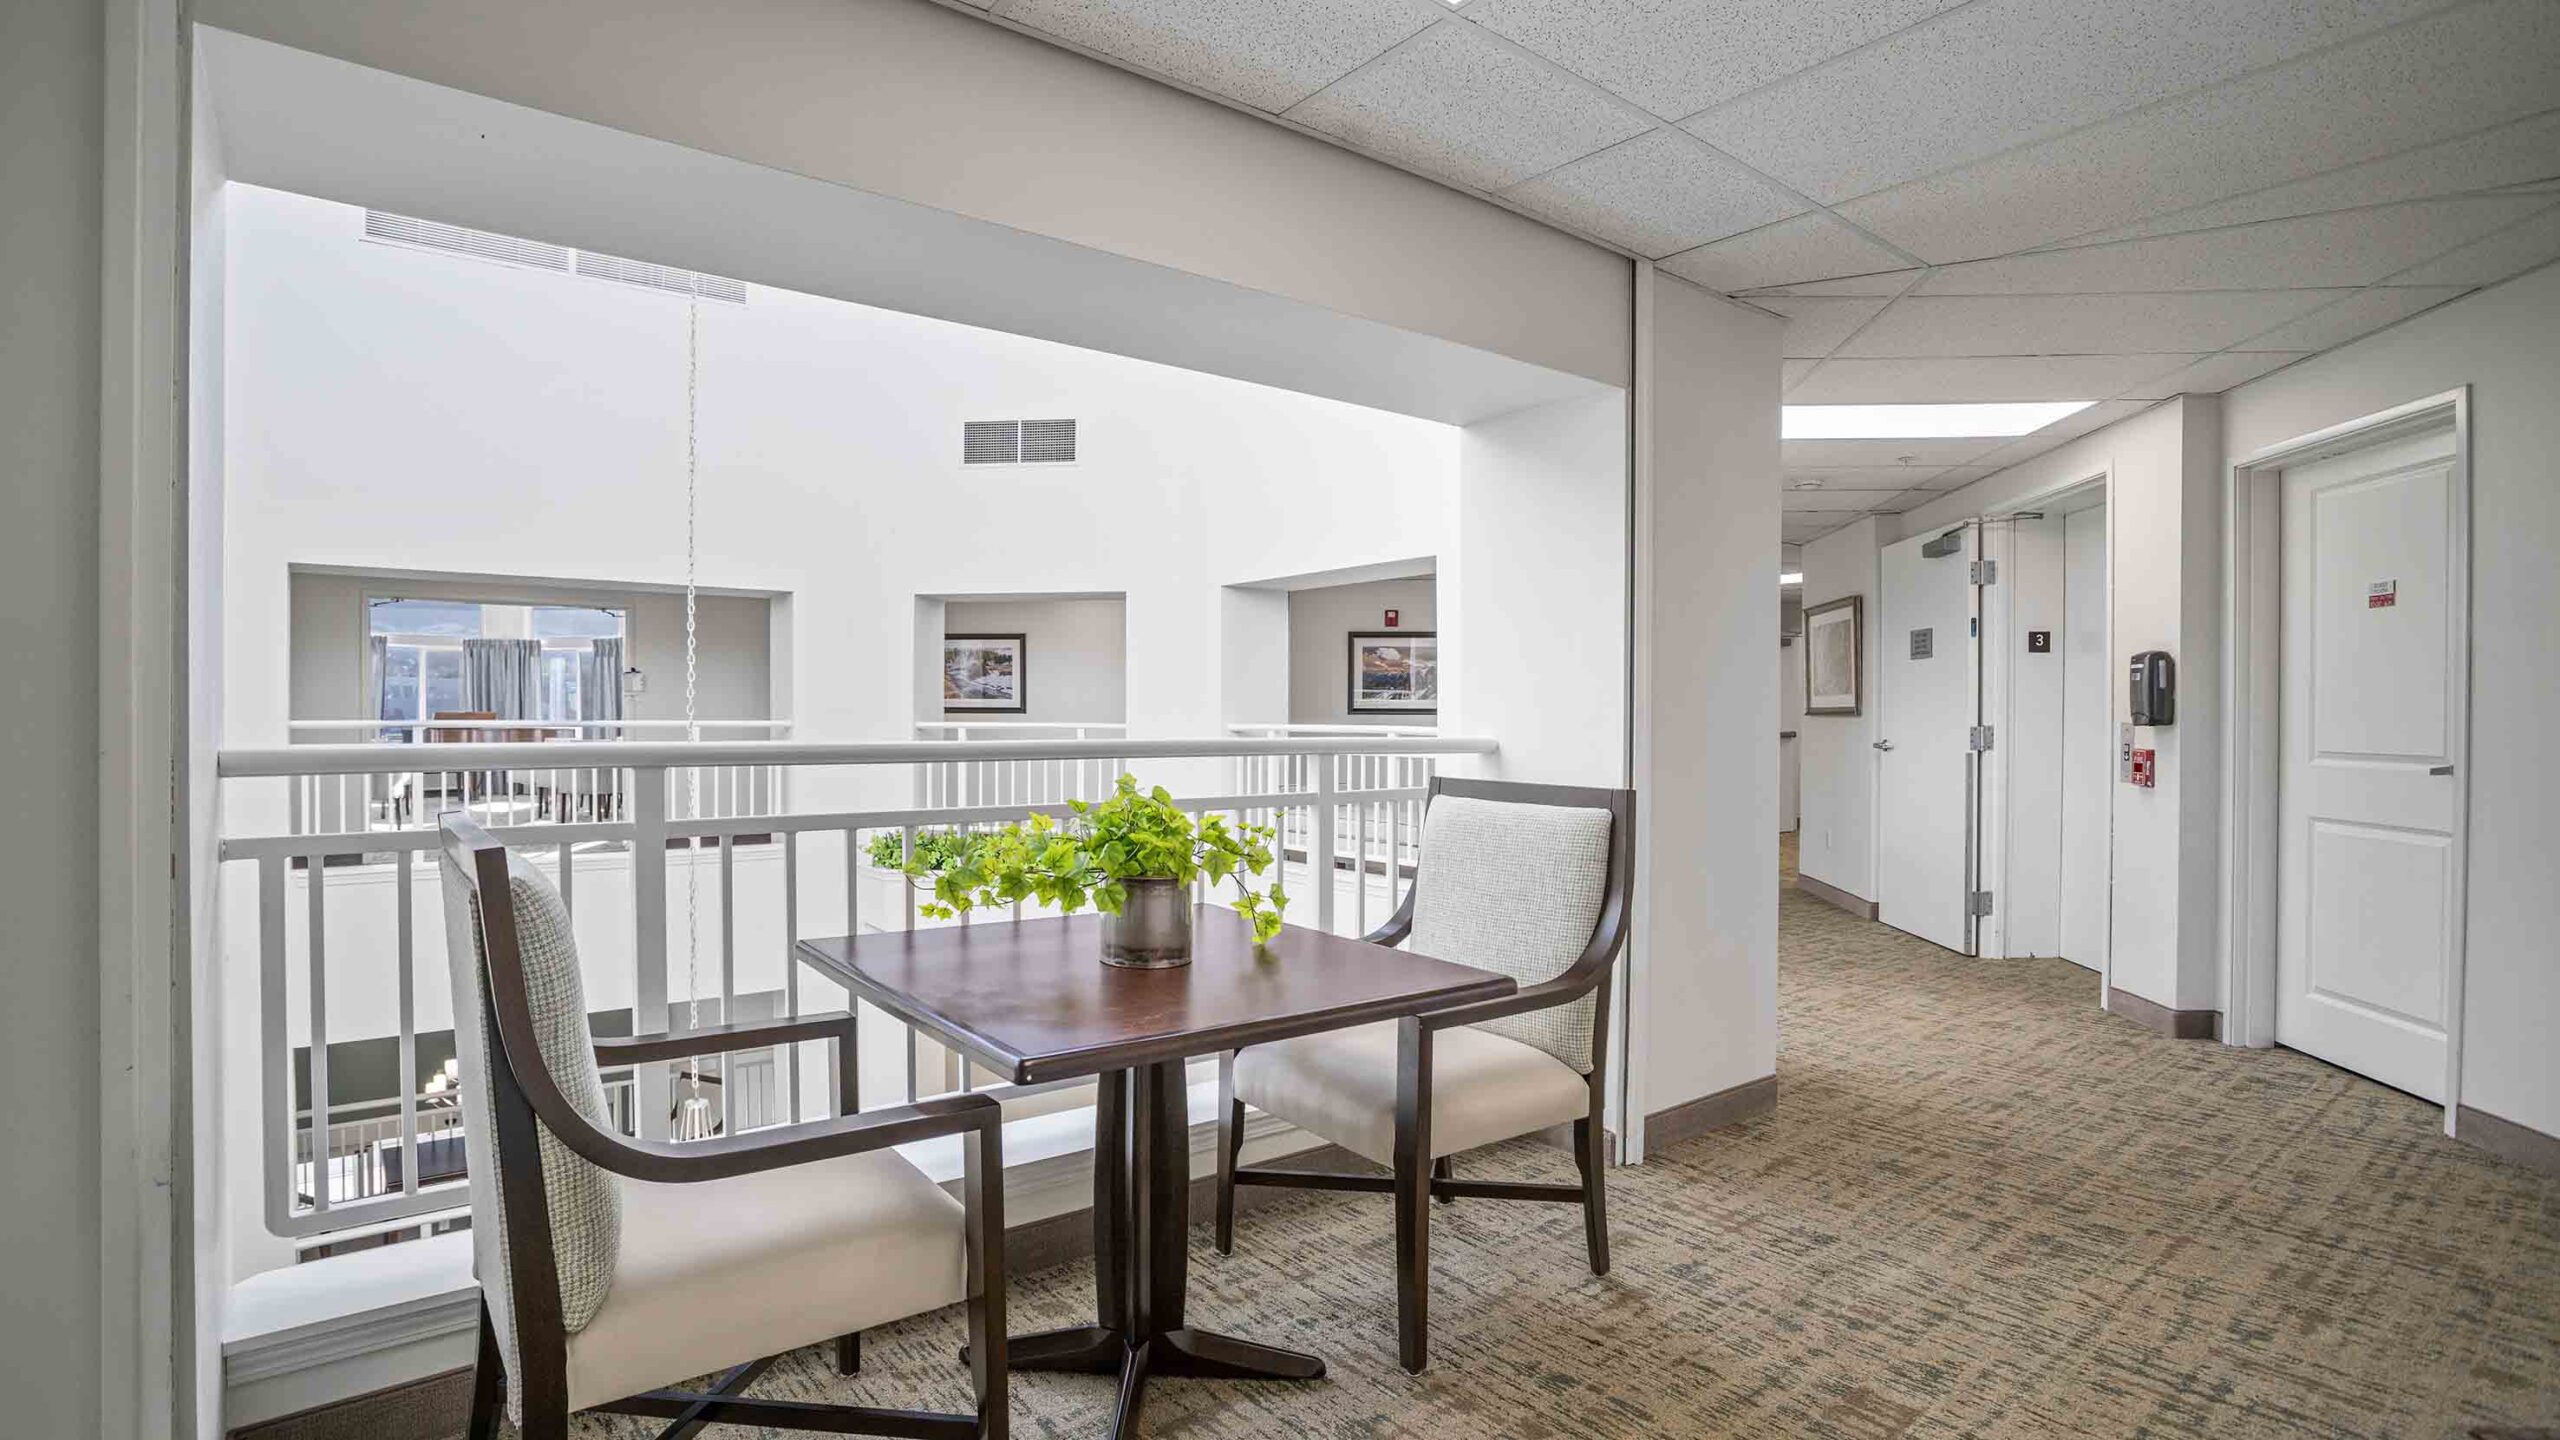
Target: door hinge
point(1981, 902)
point(1980, 739)
point(1986, 572)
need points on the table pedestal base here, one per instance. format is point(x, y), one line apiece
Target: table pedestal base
point(1141, 1233)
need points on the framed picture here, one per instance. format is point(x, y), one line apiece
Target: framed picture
point(1395, 673)
point(1831, 650)
point(984, 674)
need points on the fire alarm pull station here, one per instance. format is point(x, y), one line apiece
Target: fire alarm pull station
point(1394, 618)
point(2146, 768)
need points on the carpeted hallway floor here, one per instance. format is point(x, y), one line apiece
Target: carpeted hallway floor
point(1982, 1208)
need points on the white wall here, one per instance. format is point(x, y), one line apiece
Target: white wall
point(392, 409)
point(1078, 663)
point(1836, 758)
point(2505, 344)
point(1534, 592)
point(2031, 596)
point(903, 98)
point(1321, 622)
point(2089, 761)
point(1706, 1017)
point(52, 58)
point(733, 678)
point(2166, 508)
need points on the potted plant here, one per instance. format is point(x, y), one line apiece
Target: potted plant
point(1133, 855)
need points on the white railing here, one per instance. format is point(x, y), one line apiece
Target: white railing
point(1391, 838)
point(345, 928)
point(965, 781)
point(410, 797)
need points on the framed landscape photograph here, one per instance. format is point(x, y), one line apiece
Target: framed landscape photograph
point(1396, 672)
point(1831, 657)
point(984, 674)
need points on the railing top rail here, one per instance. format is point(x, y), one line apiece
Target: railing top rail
point(1022, 725)
point(651, 754)
point(1284, 727)
point(624, 724)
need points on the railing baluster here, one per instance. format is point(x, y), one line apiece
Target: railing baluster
point(790, 957)
point(651, 1088)
point(317, 951)
point(728, 972)
point(408, 981)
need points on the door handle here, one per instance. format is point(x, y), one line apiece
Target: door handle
point(1884, 744)
point(2439, 769)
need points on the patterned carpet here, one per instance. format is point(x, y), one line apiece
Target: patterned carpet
point(1982, 1208)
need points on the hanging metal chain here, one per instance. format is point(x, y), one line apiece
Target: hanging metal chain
point(694, 1121)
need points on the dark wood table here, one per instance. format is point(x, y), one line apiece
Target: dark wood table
point(1033, 1000)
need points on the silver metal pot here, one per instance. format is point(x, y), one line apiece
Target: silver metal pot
point(1152, 930)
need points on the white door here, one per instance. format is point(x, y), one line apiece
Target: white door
point(2368, 893)
point(1790, 719)
point(1924, 777)
point(2089, 678)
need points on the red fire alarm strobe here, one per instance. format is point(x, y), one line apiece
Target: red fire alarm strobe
point(2146, 768)
point(1394, 618)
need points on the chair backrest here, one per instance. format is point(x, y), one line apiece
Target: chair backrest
point(460, 736)
point(1527, 880)
point(555, 1222)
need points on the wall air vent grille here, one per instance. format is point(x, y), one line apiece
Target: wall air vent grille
point(481, 244)
point(487, 245)
point(661, 277)
point(1017, 442)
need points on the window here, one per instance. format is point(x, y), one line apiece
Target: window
point(422, 652)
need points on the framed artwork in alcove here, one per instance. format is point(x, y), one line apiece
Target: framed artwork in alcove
point(1831, 642)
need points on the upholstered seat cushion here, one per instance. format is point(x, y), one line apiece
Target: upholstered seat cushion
point(718, 1273)
point(1342, 1085)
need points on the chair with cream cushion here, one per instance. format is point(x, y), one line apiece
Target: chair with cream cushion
point(611, 1268)
point(1533, 881)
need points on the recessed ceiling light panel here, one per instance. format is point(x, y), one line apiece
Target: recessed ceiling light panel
point(1923, 422)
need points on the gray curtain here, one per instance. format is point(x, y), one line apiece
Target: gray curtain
point(503, 677)
point(600, 685)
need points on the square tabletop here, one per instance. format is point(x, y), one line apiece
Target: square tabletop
point(1032, 998)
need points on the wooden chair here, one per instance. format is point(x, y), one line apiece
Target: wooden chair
point(1531, 880)
point(611, 1268)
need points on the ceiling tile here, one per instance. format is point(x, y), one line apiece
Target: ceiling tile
point(2063, 431)
point(1820, 501)
point(2428, 81)
point(1956, 477)
point(1815, 327)
point(1676, 59)
point(1792, 372)
point(2496, 158)
point(1891, 479)
point(2008, 72)
point(2360, 313)
point(2508, 253)
point(2213, 374)
point(1456, 103)
point(1885, 282)
point(2079, 324)
point(1923, 455)
point(2350, 248)
point(1949, 380)
point(1269, 56)
point(1808, 247)
point(1656, 194)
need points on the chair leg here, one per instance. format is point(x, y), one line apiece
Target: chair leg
point(1230, 1148)
point(1445, 1168)
point(1413, 1194)
point(488, 1381)
point(849, 1353)
point(1595, 1196)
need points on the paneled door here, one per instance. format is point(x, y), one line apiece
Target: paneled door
point(1931, 701)
point(2368, 884)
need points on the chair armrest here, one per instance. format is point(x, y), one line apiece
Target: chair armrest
point(723, 1039)
point(1398, 925)
point(666, 1162)
point(1566, 988)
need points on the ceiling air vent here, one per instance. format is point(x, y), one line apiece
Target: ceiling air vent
point(1017, 442)
point(481, 244)
point(661, 277)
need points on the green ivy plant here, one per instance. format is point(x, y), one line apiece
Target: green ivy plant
point(1090, 857)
